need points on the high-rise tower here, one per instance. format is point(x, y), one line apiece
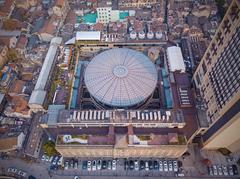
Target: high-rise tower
point(218, 78)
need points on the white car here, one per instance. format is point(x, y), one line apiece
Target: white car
point(47, 158)
point(175, 166)
point(54, 161)
point(66, 165)
point(114, 165)
point(136, 165)
point(94, 165)
point(21, 173)
point(160, 166)
point(220, 172)
point(12, 170)
point(170, 166)
point(215, 172)
point(146, 165)
point(43, 157)
point(225, 170)
point(165, 166)
point(51, 159)
point(89, 164)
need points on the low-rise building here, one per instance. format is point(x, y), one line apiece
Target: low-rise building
point(49, 29)
point(175, 59)
point(6, 9)
point(11, 141)
point(38, 99)
point(61, 8)
point(9, 41)
point(3, 55)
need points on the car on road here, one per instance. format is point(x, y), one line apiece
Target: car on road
point(142, 165)
point(170, 166)
point(109, 165)
point(220, 172)
point(126, 165)
point(99, 164)
point(75, 177)
point(89, 165)
point(175, 166)
point(114, 165)
point(21, 173)
point(84, 165)
point(51, 159)
point(12, 170)
point(104, 164)
point(165, 166)
point(146, 166)
point(136, 165)
point(94, 165)
point(71, 163)
point(230, 170)
point(66, 163)
point(215, 171)
point(225, 170)
point(160, 166)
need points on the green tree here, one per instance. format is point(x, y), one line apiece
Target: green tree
point(49, 148)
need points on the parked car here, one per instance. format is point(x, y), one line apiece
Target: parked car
point(43, 157)
point(126, 165)
point(89, 165)
point(51, 159)
point(215, 171)
point(150, 163)
point(60, 160)
point(104, 164)
point(66, 165)
point(99, 164)
point(175, 166)
point(12, 170)
point(230, 170)
point(142, 165)
point(136, 165)
point(47, 159)
point(235, 169)
point(225, 170)
point(131, 165)
point(146, 166)
point(54, 162)
point(21, 173)
point(210, 171)
point(94, 165)
point(75, 164)
point(165, 166)
point(114, 165)
point(71, 163)
point(84, 165)
point(220, 172)
point(109, 165)
point(160, 166)
point(170, 166)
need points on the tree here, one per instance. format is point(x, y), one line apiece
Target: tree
point(49, 148)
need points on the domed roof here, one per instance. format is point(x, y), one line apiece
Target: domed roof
point(120, 77)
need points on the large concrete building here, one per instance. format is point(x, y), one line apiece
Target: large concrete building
point(217, 78)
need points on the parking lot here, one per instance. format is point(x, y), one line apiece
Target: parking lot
point(114, 167)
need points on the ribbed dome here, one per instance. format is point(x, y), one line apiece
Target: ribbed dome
point(120, 77)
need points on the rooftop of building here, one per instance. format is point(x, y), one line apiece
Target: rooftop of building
point(5, 7)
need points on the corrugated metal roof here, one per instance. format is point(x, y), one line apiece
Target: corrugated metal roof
point(175, 59)
point(121, 77)
point(88, 35)
point(38, 95)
